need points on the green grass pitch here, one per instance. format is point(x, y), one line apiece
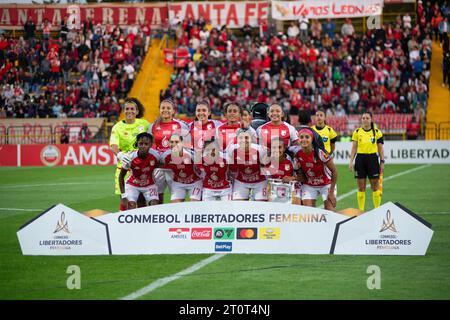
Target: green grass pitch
point(235, 276)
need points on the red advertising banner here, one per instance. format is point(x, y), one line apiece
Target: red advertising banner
point(180, 57)
point(123, 14)
point(233, 14)
point(8, 155)
point(60, 155)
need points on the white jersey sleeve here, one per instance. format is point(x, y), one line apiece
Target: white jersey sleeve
point(156, 154)
point(293, 134)
point(323, 156)
point(133, 155)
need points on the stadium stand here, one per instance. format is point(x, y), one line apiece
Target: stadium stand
point(385, 72)
point(337, 65)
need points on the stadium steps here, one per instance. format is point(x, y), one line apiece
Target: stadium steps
point(438, 110)
point(153, 77)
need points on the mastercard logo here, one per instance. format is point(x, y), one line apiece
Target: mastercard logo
point(247, 233)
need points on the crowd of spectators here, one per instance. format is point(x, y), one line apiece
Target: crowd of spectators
point(437, 15)
point(311, 65)
point(83, 71)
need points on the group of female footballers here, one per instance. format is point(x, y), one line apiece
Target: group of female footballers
point(209, 160)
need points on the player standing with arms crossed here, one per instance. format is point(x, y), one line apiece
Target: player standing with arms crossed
point(123, 136)
point(161, 130)
point(276, 127)
point(142, 164)
point(369, 163)
point(226, 132)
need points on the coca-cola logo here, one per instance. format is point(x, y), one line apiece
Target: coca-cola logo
point(201, 234)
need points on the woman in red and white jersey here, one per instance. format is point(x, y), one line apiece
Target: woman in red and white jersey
point(246, 160)
point(215, 173)
point(320, 174)
point(161, 131)
point(186, 177)
point(142, 164)
point(276, 127)
point(203, 128)
point(282, 167)
point(226, 132)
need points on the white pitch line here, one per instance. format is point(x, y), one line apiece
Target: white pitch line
point(163, 281)
point(19, 209)
point(348, 194)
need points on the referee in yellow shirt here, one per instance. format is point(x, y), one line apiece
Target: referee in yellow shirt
point(329, 136)
point(368, 149)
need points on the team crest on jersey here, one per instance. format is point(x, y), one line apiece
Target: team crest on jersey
point(141, 128)
point(372, 140)
point(287, 167)
point(283, 132)
point(222, 165)
point(255, 157)
point(152, 163)
point(174, 127)
point(208, 126)
point(325, 139)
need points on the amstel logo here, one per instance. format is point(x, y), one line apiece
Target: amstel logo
point(50, 155)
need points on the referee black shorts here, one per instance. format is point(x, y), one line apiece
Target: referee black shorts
point(367, 165)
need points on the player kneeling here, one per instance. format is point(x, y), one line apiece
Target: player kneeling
point(143, 163)
point(319, 171)
point(185, 176)
point(214, 168)
point(280, 172)
point(246, 160)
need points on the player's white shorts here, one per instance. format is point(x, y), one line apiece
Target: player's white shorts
point(241, 190)
point(214, 194)
point(150, 193)
point(312, 192)
point(178, 190)
point(163, 179)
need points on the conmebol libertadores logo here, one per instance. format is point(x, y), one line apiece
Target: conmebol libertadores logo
point(62, 224)
point(388, 224)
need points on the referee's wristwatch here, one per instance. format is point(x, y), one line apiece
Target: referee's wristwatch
point(382, 161)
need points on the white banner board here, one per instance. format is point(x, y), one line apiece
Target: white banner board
point(387, 230)
point(218, 227)
point(320, 9)
point(61, 231)
point(232, 226)
point(403, 152)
